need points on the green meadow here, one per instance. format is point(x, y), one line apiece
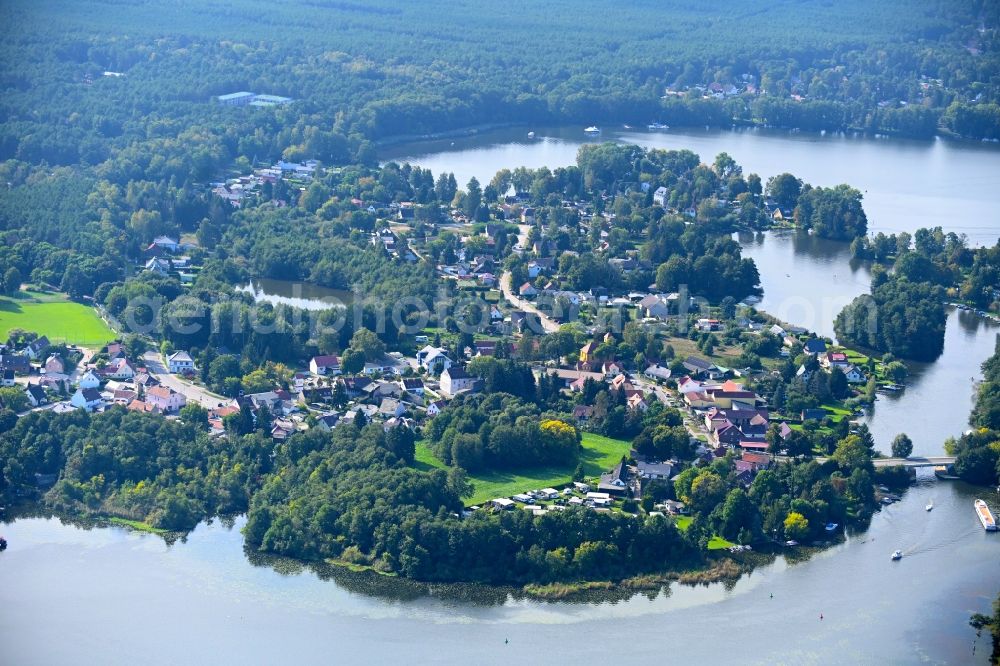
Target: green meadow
point(54, 316)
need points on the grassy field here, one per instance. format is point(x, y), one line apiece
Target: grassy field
point(718, 543)
point(137, 525)
point(599, 455)
point(54, 316)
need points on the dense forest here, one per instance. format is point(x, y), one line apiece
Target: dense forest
point(353, 495)
point(978, 451)
point(363, 72)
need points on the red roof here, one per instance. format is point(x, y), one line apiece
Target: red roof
point(760, 446)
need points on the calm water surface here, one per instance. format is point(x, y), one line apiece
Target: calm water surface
point(71, 595)
point(110, 596)
point(301, 295)
point(906, 184)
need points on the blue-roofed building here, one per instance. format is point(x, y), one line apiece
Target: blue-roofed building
point(270, 100)
point(237, 98)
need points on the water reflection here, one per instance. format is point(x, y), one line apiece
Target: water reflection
point(302, 295)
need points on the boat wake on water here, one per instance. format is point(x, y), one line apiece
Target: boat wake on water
point(922, 545)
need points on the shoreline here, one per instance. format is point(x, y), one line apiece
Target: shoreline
point(397, 140)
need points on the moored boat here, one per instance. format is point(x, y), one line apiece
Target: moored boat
point(593, 130)
point(985, 516)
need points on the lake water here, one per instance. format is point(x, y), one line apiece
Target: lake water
point(906, 184)
point(109, 596)
point(69, 594)
point(302, 295)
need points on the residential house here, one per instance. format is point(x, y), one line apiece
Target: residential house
point(814, 346)
point(706, 325)
point(687, 385)
point(615, 482)
point(527, 291)
point(813, 414)
point(854, 374)
point(323, 365)
point(391, 407)
point(327, 422)
point(612, 369)
point(698, 400)
point(412, 385)
point(583, 413)
point(17, 363)
point(660, 197)
point(637, 402)
point(165, 399)
point(145, 380)
point(455, 380)
point(36, 348)
point(36, 395)
point(354, 387)
point(485, 347)
point(654, 306)
point(282, 429)
point(119, 369)
point(165, 243)
point(835, 360)
point(758, 460)
point(656, 371)
point(587, 353)
point(142, 406)
point(158, 266)
point(621, 383)
point(661, 471)
point(86, 398)
point(434, 359)
point(180, 363)
point(700, 367)
point(122, 396)
point(89, 380)
point(384, 366)
point(54, 363)
point(435, 407)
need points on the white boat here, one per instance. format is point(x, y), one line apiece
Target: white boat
point(930, 505)
point(985, 516)
point(897, 555)
point(592, 130)
point(658, 126)
point(531, 135)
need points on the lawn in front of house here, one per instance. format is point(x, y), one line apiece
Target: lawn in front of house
point(599, 454)
point(54, 316)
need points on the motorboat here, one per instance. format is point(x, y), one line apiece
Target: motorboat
point(930, 506)
point(985, 516)
point(897, 555)
point(592, 130)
